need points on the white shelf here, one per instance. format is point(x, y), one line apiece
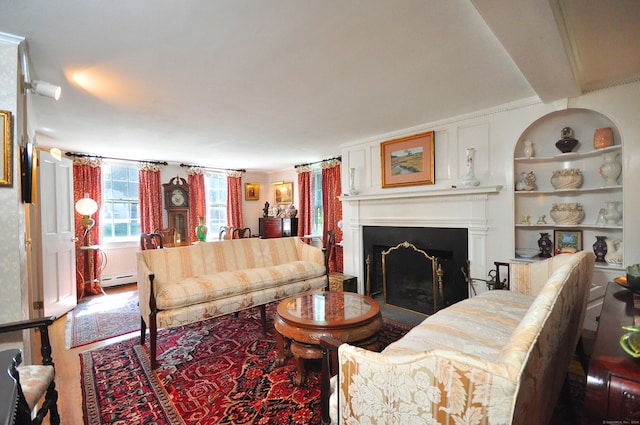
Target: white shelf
point(563, 192)
point(568, 226)
point(570, 156)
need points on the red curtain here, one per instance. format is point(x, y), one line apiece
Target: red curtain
point(305, 207)
point(197, 200)
point(332, 206)
point(87, 182)
point(150, 192)
point(234, 199)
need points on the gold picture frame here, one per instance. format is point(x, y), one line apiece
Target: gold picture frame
point(6, 128)
point(283, 193)
point(251, 191)
point(567, 241)
point(408, 161)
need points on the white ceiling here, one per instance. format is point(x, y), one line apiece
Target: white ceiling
point(265, 85)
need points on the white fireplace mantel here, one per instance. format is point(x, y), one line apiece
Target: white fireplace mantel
point(435, 207)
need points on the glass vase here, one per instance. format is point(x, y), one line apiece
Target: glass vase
point(201, 230)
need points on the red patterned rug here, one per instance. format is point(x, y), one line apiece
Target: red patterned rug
point(220, 371)
point(100, 317)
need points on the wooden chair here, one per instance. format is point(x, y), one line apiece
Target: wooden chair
point(241, 233)
point(226, 232)
point(329, 250)
point(151, 241)
point(23, 387)
point(168, 235)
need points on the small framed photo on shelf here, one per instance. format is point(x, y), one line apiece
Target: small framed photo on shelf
point(567, 241)
point(408, 161)
point(283, 193)
point(251, 191)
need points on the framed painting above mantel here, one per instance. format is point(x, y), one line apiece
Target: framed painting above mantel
point(408, 161)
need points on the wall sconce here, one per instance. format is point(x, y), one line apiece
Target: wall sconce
point(86, 207)
point(44, 89)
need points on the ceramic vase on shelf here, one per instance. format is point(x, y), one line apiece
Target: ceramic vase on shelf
point(201, 230)
point(470, 179)
point(613, 212)
point(352, 182)
point(567, 143)
point(528, 149)
point(600, 248)
point(610, 169)
point(614, 252)
point(545, 244)
point(603, 138)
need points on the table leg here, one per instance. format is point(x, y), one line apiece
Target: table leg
point(300, 372)
point(281, 349)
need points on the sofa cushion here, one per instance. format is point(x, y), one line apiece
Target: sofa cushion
point(480, 326)
point(210, 287)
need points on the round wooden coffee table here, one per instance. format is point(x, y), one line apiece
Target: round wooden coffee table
point(300, 321)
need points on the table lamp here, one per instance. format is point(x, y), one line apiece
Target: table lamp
point(86, 207)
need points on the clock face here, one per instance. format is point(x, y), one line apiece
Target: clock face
point(177, 198)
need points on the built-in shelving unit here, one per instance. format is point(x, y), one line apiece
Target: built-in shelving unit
point(592, 195)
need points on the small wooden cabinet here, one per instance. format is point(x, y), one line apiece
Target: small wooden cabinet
point(272, 227)
point(613, 382)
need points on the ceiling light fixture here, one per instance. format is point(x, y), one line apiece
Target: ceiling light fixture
point(44, 89)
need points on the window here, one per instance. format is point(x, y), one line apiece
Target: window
point(215, 185)
point(120, 212)
point(316, 195)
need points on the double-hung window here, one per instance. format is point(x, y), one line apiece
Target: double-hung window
point(317, 219)
point(120, 213)
point(215, 185)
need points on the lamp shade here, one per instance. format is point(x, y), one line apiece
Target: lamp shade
point(86, 206)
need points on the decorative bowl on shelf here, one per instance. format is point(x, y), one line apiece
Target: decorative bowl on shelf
point(570, 178)
point(570, 213)
point(527, 252)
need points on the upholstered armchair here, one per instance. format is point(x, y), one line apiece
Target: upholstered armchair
point(22, 387)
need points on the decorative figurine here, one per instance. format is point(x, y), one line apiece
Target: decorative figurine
point(541, 220)
point(265, 210)
point(567, 143)
point(526, 219)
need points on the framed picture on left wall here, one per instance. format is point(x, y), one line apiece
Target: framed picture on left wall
point(6, 164)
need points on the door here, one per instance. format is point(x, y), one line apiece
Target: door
point(54, 237)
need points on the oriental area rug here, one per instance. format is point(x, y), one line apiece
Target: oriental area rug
point(220, 371)
point(99, 317)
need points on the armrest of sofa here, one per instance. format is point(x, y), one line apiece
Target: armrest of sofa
point(436, 386)
point(309, 252)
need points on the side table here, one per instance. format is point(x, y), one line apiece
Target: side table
point(342, 282)
point(613, 381)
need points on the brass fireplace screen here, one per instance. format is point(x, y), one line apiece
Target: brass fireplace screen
point(412, 279)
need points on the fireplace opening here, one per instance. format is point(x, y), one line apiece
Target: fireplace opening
point(409, 282)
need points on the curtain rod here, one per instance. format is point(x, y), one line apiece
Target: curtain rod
point(213, 169)
point(318, 162)
point(86, 155)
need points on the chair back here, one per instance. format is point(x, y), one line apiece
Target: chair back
point(240, 233)
point(329, 248)
point(226, 232)
point(151, 241)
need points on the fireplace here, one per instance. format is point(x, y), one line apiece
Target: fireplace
point(409, 282)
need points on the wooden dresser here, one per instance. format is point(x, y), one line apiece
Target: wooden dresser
point(272, 227)
point(613, 381)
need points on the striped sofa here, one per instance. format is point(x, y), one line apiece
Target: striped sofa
point(187, 284)
point(498, 358)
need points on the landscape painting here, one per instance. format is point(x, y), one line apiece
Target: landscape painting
point(408, 161)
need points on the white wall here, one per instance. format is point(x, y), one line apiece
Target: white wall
point(494, 133)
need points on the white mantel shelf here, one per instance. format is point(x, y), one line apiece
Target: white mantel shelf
point(440, 192)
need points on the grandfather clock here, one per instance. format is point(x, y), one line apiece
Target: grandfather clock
point(176, 202)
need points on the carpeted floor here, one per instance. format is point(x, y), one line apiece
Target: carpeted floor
point(221, 371)
point(100, 317)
